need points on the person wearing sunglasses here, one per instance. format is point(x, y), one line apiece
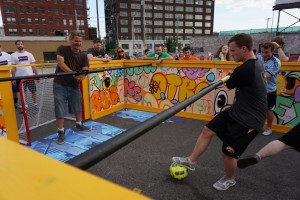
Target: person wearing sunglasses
point(121, 55)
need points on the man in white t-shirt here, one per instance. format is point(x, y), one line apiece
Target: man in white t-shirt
point(5, 58)
point(22, 57)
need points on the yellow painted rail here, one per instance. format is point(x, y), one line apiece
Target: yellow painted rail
point(26, 174)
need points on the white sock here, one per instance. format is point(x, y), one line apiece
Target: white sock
point(61, 129)
point(79, 123)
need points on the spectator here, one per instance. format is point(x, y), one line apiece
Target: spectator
point(165, 49)
point(188, 54)
point(223, 53)
point(158, 55)
point(235, 126)
point(289, 141)
point(66, 88)
point(147, 51)
point(97, 53)
point(121, 55)
point(272, 66)
point(22, 57)
point(180, 55)
point(279, 45)
point(5, 58)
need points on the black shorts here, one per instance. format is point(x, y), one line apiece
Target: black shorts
point(292, 138)
point(271, 98)
point(235, 137)
point(27, 84)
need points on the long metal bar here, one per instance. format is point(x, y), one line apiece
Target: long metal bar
point(101, 151)
point(40, 76)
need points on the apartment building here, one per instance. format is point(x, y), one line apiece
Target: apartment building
point(44, 17)
point(139, 24)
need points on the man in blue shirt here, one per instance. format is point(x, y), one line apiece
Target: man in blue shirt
point(272, 66)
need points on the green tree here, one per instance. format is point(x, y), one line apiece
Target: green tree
point(171, 44)
point(110, 46)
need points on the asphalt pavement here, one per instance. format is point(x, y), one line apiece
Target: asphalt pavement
point(144, 165)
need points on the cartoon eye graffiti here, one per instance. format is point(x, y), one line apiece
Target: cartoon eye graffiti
point(106, 83)
point(221, 100)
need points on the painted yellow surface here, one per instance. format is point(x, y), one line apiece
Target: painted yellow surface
point(26, 174)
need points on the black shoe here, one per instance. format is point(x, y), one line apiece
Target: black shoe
point(81, 127)
point(61, 137)
point(248, 161)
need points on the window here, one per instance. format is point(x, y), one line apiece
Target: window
point(169, 23)
point(36, 21)
point(158, 30)
point(198, 24)
point(124, 30)
point(169, 1)
point(137, 22)
point(70, 22)
point(24, 31)
point(197, 9)
point(124, 22)
point(125, 46)
point(29, 20)
point(189, 1)
point(179, 1)
point(169, 15)
point(199, 2)
point(22, 20)
point(207, 17)
point(169, 8)
point(188, 23)
point(208, 3)
point(189, 16)
point(43, 21)
point(198, 31)
point(169, 30)
point(158, 7)
point(207, 24)
point(137, 30)
point(189, 31)
point(158, 15)
point(207, 31)
point(159, 37)
point(189, 9)
point(13, 31)
point(35, 10)
point(64, 22)
point(9, 9)
point(198, 16)
point(30, 31)
point(136, 6)
point(11, 20)
point(38, 32)
point(178, 8)
point(158, 23)
point(123, 14)
point(208, 10)
point(148, 30)
point(123, 5)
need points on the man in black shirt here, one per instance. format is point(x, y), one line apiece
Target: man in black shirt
point(238, 125)
point(97, 53)
point(66, 88)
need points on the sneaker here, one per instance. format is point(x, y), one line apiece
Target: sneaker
point(224, 183)
point(185, 162)
point(18, 106)
point(81, 127)
point(248, 161)
point(61, 137)
point(267, 132)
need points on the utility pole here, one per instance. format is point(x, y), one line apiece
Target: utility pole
point(268, 22)
point(132, 27)
point(98, 26)
point(177, 39)
point(143, 3)
point(76, 22)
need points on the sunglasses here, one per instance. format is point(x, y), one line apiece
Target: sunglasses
point(120, 51)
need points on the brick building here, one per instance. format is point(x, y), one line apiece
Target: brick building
point(139, 24)
point(44, 17)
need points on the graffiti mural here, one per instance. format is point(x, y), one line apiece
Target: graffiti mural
point(164, 87)
point(2, 122)
point(106, 90)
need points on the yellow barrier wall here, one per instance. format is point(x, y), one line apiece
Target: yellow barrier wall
point(155, 88)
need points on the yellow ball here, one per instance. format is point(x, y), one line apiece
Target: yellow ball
point(178, 172)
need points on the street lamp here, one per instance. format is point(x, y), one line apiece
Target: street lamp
point(268, 22)
point(194, 31)
point(144, 23)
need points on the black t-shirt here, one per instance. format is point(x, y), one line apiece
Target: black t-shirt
point(75, 61)
point(250, 106)
point(99, 54)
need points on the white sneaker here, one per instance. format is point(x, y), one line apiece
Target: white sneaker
point(267, 132)
point(224, 183)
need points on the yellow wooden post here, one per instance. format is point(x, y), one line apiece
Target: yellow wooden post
point(7, 104)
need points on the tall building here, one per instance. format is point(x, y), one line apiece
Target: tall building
point(139, 24)
point(44, 17)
